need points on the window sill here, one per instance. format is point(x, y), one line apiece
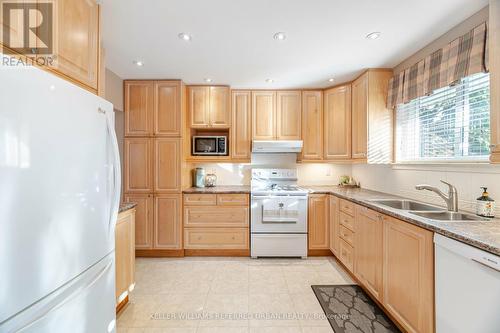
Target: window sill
point(456, 166)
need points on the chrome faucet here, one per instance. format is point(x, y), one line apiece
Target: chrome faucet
point(451, 199)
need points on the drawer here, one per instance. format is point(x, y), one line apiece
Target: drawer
point(347, 207)
point(216, 238)
point(347, 235)
point(213, 216)
point(369, 213)
point(232, 199)
point(347, 221)
point(196, 199)
point(346, 254)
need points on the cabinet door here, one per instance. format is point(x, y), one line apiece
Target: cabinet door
point(77, 40)
point(124, 253)
point(312, 125)
point(359, 117)
point(138, 167)
point(167, 222)
point(139, 106)
point(288, 115)
point(334, 225)
point(143, 219)
point(318, 221)
point(220, 113)
point(263, 115)
point(368, 249)
point(241, 137)
point(337, 113)
point(167, 170)
point(167, 109)
point(408, 275)
point(199, 107)
point(494, 64)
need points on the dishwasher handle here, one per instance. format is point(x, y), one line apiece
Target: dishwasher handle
point(486, 263)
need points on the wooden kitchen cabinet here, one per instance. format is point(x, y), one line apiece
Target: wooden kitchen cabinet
point(288, 115)
point(334, 225)
point(124, 254)
point(318, 222)
point(408, 275)
point(264, 115)
point(371, 119)
point(167, 169)
point(494, 64)
point(138, 170)
point(209, 107)
point(139, 106)
point(143, 219)
point(167, 222)
point(368, 254)
point(312, 125)
point(337, 123)
point(167, 108)
point(241, 130)
point(77, 40)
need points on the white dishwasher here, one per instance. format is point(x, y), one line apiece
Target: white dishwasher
point(467, 288)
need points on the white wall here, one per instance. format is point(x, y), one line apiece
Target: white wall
point(401, 180)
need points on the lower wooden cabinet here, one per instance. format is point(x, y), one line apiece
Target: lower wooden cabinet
point(216, 222)
point(346, 254)
point(318, 222)
point(143, 219)
point(368, 254)
point(408, 275)
point(334, 225)
point(167, 222)
point(125, 254)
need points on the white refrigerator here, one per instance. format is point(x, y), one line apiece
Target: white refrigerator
point(59, 198)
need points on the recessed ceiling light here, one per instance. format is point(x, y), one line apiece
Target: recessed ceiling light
point(208, 80)
point(185, 36)
point(373, 35)
point(331, 79)
point(138, 63)
point(269, 80)
point(279, 36)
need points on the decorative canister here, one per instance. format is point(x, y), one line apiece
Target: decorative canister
point(210, 180)
point(485, 206)
point(199, 177)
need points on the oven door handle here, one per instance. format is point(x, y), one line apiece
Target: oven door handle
point(280, 221)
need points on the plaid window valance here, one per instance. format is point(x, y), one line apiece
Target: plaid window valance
point(463, 57)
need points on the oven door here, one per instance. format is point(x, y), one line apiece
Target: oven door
point(279, 214)
point(204, 145)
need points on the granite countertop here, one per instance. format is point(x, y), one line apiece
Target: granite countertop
point(219, 189)
point(484, 235)
point(124, 206)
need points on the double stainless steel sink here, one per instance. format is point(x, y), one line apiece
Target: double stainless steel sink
point(427, 211)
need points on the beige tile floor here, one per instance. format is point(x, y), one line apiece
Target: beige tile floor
point(233, 295)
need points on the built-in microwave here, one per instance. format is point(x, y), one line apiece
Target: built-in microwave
point(210, 145)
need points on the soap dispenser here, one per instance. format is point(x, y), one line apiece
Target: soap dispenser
point(485, 206)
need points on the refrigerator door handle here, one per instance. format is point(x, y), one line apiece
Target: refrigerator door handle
point(115, 198)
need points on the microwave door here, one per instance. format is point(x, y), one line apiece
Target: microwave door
point(205, 146)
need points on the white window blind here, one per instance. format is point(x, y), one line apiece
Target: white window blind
point(452, 124)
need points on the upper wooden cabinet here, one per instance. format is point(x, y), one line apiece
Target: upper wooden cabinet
point(276, 115)
point(209, 107)
point(408, 275)
point(263, 115)
point(77, 40)
point(139, 106)
point(241, 136)
point(368, 253)
point(312, 125)
point(318, 222)
point(337, 115)
point(167, 109)
point(371, 119)
point(138, 171)
point(288, 115)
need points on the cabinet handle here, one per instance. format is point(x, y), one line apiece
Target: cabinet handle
point(493, 146)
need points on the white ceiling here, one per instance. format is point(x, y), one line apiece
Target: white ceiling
point(233, 39)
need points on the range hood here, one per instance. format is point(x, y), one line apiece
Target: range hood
point(276, 146)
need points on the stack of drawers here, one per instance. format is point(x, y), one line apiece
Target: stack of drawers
point(347, 212)
point(216, 221)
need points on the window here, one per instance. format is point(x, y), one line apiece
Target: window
point(452, 124)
